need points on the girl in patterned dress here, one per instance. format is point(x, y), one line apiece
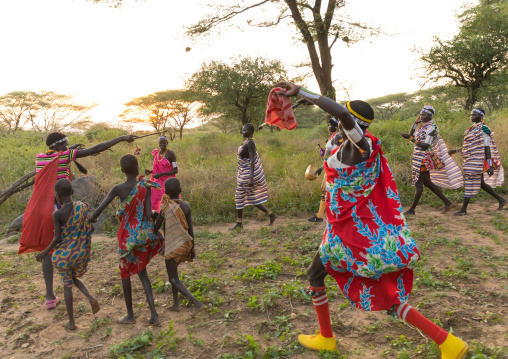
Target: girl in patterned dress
point(480, 155)
point(367, 246)
point(432, 165)
point(137, 240)
point(251, 188)
point(72, 244)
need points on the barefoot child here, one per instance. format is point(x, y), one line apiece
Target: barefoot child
point(179, 240)
point(72, 244)
point(137, 241)
point(367, 247)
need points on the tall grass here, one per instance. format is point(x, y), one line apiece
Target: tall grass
point(207, 165)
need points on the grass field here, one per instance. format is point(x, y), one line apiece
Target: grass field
point(251, 283)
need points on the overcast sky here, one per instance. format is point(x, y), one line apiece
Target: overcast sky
point(109, 56)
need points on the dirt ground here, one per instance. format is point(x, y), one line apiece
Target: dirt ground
point(251, 281)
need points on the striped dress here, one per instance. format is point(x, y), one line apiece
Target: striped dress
point(64, 162)
point(473, 154)
point(449, 176)
point(244, 194)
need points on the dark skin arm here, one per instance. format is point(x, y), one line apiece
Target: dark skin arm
point(488, 156)
point(57, 238)
point(171, 157)
point(187, 211)
point(351, 155)
point(148, 202)
point(251, 147)
point(411, 133)
point(104, 146)
point(109, 198)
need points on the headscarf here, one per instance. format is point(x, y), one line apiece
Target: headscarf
point(429, 109)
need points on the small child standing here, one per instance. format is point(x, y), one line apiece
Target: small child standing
point(179, 240)
point(72, 244)
point(137, 241)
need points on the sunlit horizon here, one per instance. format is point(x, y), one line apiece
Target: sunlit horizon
point(110, 56)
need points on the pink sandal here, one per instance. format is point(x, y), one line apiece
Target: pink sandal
point(50, 304)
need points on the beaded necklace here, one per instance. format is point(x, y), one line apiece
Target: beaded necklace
point(160, 156)
point(247, 140)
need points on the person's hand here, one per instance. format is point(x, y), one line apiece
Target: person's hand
point(405, 135)
point(292, 89)
point(161, 249)
point(92, 217)
point(129, 138)
point(319, 170)
point(41, 256)
point(157, 175)
point(490, 171)
point(250, 183)
point(418, 119)
point(148, 172)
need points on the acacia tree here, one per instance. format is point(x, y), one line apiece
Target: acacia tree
point(54, 112)
point(318, 25)
point(169, 110)
point(236, 92)
point(14, 109)
point(477, 52)
point(45, 111)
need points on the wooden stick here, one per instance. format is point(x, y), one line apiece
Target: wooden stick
point(151, 134)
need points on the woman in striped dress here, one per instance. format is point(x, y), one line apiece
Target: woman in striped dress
point(251, 188)
point(480, 155)
point(432, 166)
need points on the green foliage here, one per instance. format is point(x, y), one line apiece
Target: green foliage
point(237, 91)
point(268, 270)
point(130, 348)
point(479, 49)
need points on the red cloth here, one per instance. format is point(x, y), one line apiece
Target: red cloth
point(137, 240)
point(279, 111)
point(37, 231)
point(367, 246)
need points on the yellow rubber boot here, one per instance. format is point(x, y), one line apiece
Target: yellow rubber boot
point(453, 348)
point(317, 342)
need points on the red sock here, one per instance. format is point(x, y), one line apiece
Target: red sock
point(323, 312)
point(413, 317)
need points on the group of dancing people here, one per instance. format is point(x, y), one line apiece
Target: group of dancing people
point(366, 247)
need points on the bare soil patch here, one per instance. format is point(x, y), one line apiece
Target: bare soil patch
point(251, 281)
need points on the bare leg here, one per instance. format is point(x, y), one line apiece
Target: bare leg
point(93, 302)
point(490, 190)
point(418, 195)
point(71, 325)
point(427, 182)
point(127, 294)
point(47, 271)
point(270, 213)
point(147, 286)
point(316, 272)
point(463, 210)
point(239, 214)
point(172, 268)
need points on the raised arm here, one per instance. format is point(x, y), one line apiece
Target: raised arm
point(104, 146)
point(355, 134)
point(109, 198)
point(57, 238)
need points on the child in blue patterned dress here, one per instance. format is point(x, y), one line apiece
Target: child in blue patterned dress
point(72, 244)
